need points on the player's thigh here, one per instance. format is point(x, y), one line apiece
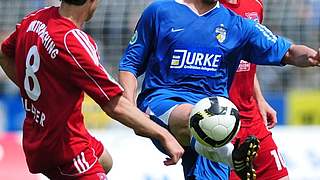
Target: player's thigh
point(104, 157)
point(172, 113)
point(179, 123)
point(106, 161)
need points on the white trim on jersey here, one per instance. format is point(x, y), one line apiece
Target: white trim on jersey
point(93, 51)
point(90, 77)
point(85, 42)
point(81, 164)
point(84, 160)
point(76, 165)
point(185, 4)
point(259, 3)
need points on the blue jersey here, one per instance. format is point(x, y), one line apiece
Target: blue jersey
point(186, 57)
point(182, 52)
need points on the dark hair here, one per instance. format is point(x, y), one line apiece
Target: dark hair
point(75, 2)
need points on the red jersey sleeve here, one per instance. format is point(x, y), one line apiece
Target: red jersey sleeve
point(8, 46)
point(260, 2)
point(86, 72)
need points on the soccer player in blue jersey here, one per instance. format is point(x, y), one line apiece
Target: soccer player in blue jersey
point(189, 50)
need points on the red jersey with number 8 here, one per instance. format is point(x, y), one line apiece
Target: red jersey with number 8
point(55, 64)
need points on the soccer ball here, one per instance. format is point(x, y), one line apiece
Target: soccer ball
point(214, 121)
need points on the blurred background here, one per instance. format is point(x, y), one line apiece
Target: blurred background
point(293, 92)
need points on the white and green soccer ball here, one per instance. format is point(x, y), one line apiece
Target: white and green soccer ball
point(214, 121)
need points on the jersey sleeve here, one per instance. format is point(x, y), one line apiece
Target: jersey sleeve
point(263, 47)
point(135, 57)
point(8, 46)
point(86, 72)
point(261, 12)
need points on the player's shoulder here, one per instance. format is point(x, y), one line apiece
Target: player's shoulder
point(38, 12)
point(76, 39)
point(77, 34)
point(227, 11)
point(33, 15)
point(235, 21)
point(232, 17)
point(253, 4)
point(260, 2)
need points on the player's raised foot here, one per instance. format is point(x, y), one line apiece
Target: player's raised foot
point(242, 157)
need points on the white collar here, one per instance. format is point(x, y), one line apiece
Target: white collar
point(183, 3)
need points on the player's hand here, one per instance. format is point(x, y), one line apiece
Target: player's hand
point(318, 57)
point(174, 150)
point(315, 60)
point(268, 114)
point(302, 56)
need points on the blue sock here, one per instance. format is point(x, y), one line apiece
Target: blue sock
point(192, 142)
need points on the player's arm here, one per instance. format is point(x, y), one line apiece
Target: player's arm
point(86, 73)
point(265, 48)
point(268, 114)
point(134, 61)
point(129, 83)
point(7, 61)
point(301, 56)
point(121, 109)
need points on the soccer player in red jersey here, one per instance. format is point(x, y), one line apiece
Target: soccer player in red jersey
point(255, 113)
point(54, 62)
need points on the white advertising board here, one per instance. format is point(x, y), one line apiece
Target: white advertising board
point(136, 158)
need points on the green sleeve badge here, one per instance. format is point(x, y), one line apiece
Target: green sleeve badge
point(134, 38)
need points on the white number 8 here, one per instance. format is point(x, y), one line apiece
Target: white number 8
point(31, 69)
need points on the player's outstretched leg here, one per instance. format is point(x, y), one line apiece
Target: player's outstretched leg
point(238, 156)
point(242, 157)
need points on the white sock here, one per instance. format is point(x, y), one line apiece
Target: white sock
point(222, 154)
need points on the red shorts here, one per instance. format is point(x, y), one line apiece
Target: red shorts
point(268, 164)
point(84, 166)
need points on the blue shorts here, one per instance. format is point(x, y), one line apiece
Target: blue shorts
point(194, 166)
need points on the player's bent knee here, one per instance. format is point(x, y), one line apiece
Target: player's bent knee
point(182, 135)
point(179, 123)
point(106, 161)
